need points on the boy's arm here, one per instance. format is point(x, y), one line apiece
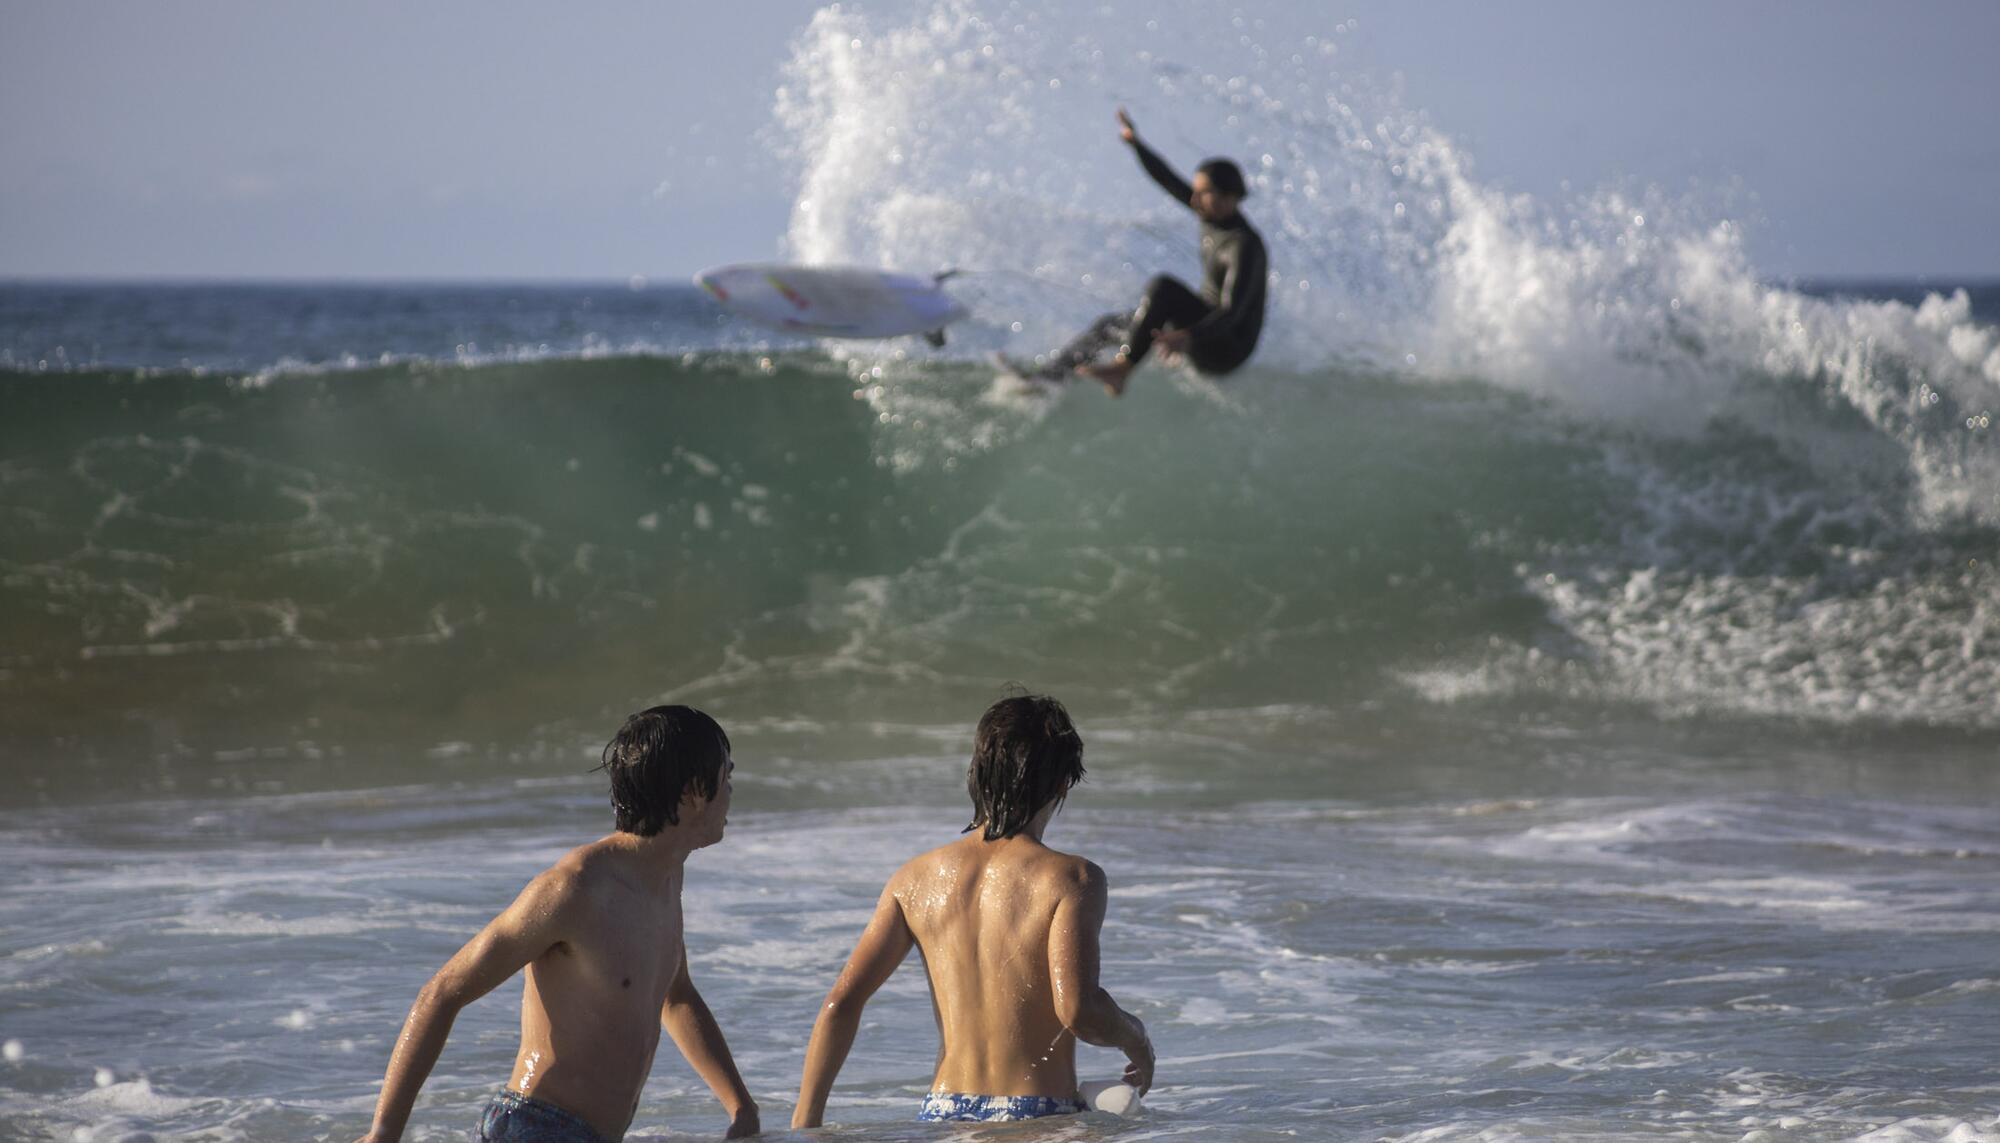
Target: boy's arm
point(535, 922)
point(1083, 1005)
point(882, 947)
point(687, 1019)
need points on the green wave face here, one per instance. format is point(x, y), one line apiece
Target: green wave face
point(204, 566)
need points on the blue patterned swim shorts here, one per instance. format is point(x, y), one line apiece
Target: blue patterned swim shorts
point(945, 1107)
point(512, 1118)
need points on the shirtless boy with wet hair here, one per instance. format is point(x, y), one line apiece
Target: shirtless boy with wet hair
point(1008, 929)
point(600, 935)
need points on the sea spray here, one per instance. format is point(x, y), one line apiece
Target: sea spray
point(1797, 472)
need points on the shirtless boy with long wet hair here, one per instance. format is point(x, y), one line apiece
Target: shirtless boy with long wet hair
point(600, 936)
point(1008, 929)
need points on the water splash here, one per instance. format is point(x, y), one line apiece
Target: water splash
point(979, 134)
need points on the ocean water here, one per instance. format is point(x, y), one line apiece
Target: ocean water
point(1553, 692)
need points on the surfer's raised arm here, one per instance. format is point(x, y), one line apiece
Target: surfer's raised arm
point(1177, 187)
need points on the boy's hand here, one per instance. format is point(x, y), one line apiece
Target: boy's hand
point(1126, 131)
point(1139, 1066)
point(745, 1124)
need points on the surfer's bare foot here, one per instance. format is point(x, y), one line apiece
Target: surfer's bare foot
point(1112, 375)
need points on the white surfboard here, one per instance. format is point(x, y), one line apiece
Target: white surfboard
point(834, 301)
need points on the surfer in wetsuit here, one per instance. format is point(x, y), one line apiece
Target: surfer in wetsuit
point(1216, 330)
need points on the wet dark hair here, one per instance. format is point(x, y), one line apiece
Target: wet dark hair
point(1025, 755)
point(1224, 176)
point(660, 756)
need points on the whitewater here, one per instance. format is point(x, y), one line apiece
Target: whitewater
point(1550, 693)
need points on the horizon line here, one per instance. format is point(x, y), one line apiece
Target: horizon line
point(649, 281)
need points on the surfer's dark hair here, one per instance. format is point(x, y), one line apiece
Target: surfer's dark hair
point(1025, 755)
point(659, 757)
point(1224, 176)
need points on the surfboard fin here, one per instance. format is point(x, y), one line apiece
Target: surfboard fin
point(936, 338)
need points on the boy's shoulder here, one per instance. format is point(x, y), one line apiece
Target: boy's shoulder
point(1066, 872)
point(924, 865)
point(1079, 874)
point(591, 867)
point(1066, 867)
point(588, 859)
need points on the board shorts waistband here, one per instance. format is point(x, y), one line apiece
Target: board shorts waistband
point(950, 1107)
point(512, 1118)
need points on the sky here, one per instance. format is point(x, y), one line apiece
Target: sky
point(459, 140)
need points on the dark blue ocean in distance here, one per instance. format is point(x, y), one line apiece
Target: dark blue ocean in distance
point(252, 327)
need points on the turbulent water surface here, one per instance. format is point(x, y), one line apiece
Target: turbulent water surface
point(1549, 694)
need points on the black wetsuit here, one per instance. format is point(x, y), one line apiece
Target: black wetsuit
point(1223, 321)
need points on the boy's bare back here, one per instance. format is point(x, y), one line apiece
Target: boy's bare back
point(986, 916)
point(1009, 933)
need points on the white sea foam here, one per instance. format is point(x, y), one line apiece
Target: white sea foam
point(1420, 952)
point(1935, 1129)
